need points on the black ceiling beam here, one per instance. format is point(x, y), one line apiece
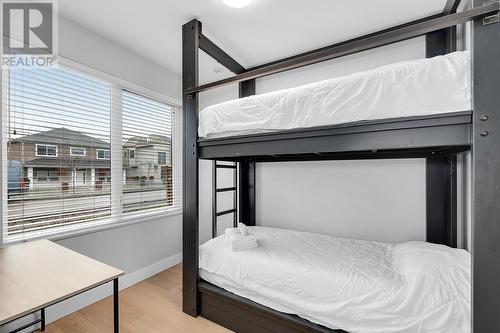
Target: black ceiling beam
point(357, 45)
point(210, 48)
point(451, 7)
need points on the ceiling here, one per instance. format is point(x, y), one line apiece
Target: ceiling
point(264, 31)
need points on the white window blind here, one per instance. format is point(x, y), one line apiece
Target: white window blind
point(56, 121)
point(82, 151)
point(148, 166)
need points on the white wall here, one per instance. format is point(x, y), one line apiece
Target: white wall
point(375, 200)
point(138, 249)
point(133, 247)
point(86, 47)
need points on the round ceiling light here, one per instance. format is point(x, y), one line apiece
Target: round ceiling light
point(237, 3)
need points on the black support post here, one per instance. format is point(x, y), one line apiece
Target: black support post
point(441, 200)
point(247, 171)
point(441, 42)
point(441, 172)
point(486, 176)
point(191, 32)
point(214, 199)
point(247, 192)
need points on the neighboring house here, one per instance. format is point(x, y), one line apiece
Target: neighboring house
point(62, 158)
point(148, 159)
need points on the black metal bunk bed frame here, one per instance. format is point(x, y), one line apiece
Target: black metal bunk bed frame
point(438, 138)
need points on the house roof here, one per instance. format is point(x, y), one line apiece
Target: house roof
point(141, 141)
point(64, 136)
point(55, 162)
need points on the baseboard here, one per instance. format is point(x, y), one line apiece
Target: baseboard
point(76, 303)
point(147, 272)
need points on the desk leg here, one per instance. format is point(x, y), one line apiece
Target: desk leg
point(42, 319)
point(116, 309)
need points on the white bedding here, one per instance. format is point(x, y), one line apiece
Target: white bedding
point(355, 285)
point(413, 88)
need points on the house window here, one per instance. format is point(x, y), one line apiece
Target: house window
point(162, 158)
point(77, 151)
point(45, 175)
point(46, 150)
point(50, 109)
point(103, 154)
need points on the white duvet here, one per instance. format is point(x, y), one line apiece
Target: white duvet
point(413, 88)
point(355, 285)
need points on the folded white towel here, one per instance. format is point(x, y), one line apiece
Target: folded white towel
point(231, 231)
point(237, 238)
point(242, 247)
point(243, 229)
point(239, 242)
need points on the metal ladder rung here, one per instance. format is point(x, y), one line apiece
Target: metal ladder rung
point(225, 189)
point(225, 212)
point(215, 191)
point(225, 166)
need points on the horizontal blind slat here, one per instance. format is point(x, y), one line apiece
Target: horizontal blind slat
point(147, 132)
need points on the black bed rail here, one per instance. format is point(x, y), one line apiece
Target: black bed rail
point(418, 135)
point(384, 37)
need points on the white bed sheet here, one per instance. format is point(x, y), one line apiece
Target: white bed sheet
point(355, 285)
point(413, 88)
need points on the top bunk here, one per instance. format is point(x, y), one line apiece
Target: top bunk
point(421, 106)
point(413, 109)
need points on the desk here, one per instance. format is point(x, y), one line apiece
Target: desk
point(36, 275)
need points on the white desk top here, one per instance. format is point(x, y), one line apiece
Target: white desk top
point(37, 274)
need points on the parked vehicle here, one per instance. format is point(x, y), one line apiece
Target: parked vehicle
point(15, 178)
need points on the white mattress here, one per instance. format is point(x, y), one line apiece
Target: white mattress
point(355, 285)
point(413, 88)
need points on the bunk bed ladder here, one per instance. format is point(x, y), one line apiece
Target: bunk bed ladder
point(215, 191)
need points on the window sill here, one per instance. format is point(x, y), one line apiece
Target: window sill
point(93, 227)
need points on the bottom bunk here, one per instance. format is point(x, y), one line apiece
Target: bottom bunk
point(304, 282)
point(245, 316)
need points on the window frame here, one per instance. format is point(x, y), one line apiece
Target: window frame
point(46, 150)
point(71, 151)
point(117, 219)
point(105, 151)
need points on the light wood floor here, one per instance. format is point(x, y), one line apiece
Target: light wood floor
point(153, 305)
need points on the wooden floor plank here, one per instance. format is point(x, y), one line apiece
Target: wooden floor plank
point(153, 306)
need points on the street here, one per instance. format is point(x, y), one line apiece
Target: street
point(36, 214)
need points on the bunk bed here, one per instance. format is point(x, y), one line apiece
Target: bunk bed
point(436, 136)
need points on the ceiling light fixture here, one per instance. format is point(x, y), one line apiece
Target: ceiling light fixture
point(237, 3)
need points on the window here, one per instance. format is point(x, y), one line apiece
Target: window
point(44, 175)
point(46, 150)
point(162, 158)
point(147, 132)
point(69, 167)
point(103, 154)
point(77, 151)
point(59, 112)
